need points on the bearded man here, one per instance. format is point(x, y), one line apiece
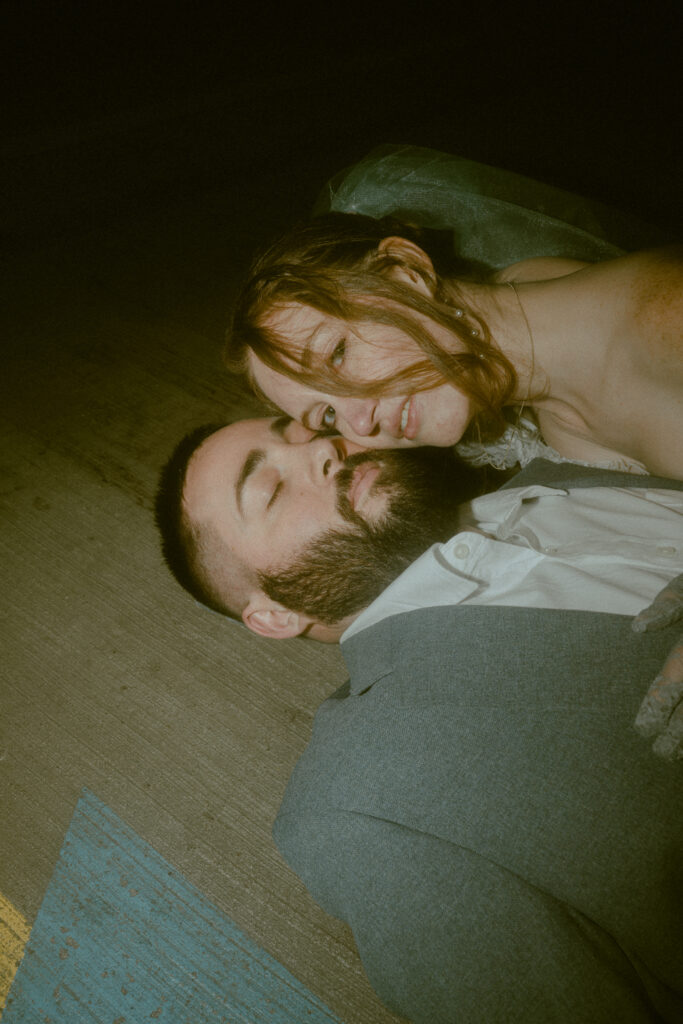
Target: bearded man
point(475, 803)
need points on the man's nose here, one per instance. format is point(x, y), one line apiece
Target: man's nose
point(360, 414)
point(327, 458)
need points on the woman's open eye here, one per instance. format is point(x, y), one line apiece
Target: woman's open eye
point(338, 354)
point(328, 418)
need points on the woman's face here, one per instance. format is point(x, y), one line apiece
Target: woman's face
point(365, 353)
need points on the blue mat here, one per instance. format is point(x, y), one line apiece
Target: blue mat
point(122, 937)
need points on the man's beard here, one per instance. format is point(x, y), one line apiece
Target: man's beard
point(343, 571)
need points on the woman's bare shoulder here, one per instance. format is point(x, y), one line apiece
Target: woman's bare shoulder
point(664, 264)
point(642, 288)
point(540, 268)
point(658, 290)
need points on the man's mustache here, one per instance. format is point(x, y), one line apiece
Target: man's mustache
point(343, 482)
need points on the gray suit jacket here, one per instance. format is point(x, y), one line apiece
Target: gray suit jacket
point(476, 804)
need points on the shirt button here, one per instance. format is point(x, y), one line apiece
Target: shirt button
point(666, 550)
point(461, 550)
point(550, 551)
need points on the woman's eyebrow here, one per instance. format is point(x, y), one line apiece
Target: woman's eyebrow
point(307, 354)
point(279, 425)
point(253, 459)
point(305, 419)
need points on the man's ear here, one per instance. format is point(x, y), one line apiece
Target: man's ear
point(415, 267)
point(268, 618)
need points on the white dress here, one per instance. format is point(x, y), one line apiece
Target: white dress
point(497, 218)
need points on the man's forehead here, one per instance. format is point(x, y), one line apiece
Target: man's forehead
point(230, 442)
point(213, 470)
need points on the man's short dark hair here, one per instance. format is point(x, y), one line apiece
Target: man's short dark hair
point(180, 538)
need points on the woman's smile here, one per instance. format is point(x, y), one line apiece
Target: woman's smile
point(409, 423)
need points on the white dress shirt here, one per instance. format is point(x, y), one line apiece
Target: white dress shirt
point(603, 549)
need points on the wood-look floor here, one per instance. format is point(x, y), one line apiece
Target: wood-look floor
point(111, 677)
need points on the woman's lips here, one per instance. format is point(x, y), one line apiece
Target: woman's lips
point(362, 480)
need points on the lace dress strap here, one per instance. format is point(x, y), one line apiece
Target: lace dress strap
point(521, 442)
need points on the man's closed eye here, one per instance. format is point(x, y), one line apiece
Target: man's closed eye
point(274, 496)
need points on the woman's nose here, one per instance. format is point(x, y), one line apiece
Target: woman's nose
point(328, 455)
point(360, 415)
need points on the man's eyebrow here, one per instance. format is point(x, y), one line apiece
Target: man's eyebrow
point(253, 459)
